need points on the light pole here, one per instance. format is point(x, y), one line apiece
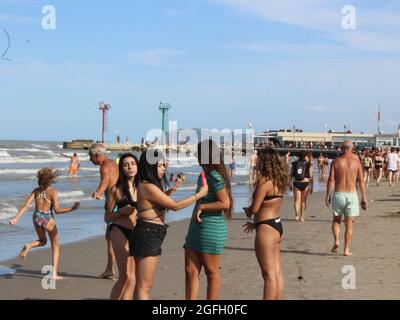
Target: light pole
point(294, 136)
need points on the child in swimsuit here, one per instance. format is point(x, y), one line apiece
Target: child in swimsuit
point(46, 200)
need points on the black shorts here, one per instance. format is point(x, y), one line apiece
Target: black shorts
point(146, 239)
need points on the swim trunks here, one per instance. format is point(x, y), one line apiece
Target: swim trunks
point(73, 170)
point(345, 203)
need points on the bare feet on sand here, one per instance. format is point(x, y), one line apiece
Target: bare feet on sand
point(23, 253)
point(57, 277)
point(297, 218)
point(106, 275)
point(347, 253)
point(335, 248)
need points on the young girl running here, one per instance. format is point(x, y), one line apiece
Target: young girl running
point(46, 200)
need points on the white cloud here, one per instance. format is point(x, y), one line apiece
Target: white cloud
point(155, 57)
point(287, 48)
point(376, 30)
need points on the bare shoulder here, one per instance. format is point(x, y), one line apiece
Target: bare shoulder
point(146, 189)
point(52, 191)
point(263, 182)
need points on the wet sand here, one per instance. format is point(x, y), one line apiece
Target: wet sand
point(311, 271)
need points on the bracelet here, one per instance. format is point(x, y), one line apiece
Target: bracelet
point(195, 197)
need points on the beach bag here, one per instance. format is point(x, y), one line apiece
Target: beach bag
point(299, 170)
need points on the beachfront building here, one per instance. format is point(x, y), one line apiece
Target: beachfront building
point(296, 138)
point(387, 140)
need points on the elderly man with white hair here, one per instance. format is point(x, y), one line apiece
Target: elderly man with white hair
point(108, 178)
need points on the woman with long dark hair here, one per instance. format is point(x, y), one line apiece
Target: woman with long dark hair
point(208, 230)
point(149, 233)
point(121, 219)
point(272, 182)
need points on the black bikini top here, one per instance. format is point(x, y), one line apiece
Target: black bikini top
point(272, 197)
point(125, 202)
point(268, 198)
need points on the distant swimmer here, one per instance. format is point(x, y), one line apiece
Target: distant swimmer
point(346, 173)
point(74, 164)
point(46, 200)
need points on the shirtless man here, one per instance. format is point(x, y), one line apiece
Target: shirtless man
point(346, 173)
point(74, 164)
point(108, 178)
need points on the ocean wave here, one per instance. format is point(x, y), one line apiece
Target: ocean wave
point(40, 146)
point(32, 150)
point(31, 160)
point(18, 171)
point(77, 199)
point(7, 211)
point(4, 154)
point(89, 169)
point(69, 194)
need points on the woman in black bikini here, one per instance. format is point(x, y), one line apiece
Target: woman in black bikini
point(378, 164)
point(121, 219)
point(302, 174)
point(153, 202)
point(270, 187)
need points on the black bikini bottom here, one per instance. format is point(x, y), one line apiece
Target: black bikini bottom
point(127, 232)
point(274, 223)
point(301, 185)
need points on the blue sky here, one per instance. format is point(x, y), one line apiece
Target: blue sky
point(220, 63)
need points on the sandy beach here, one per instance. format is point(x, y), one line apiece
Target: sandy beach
point(311, 271)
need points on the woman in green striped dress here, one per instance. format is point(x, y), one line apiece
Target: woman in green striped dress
point(208, 231)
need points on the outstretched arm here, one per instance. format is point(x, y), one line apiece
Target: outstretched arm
point(64, 155)
point(23, 209)
point(155, 195)
point(57, 208)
